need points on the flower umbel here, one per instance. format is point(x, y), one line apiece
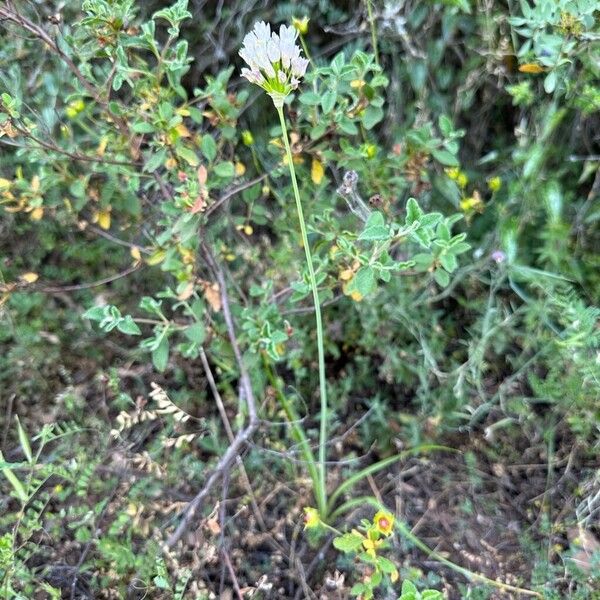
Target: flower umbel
point(274, 60)
point(384, 522)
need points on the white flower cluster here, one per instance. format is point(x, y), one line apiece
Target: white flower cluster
point(274, 60)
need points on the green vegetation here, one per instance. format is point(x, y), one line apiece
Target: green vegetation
point(335, 337)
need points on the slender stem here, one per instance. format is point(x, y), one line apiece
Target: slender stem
point(373, 31)
point(298, 435)
point(322, 492)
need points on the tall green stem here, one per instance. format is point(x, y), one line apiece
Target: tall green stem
point(321, 492)
point(373, 31)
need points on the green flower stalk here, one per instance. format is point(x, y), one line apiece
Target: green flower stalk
point(276, 65)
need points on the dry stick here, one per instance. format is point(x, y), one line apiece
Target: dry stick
point(221, 407)
point(243, 435)
point(231, 193)
point(234, 581)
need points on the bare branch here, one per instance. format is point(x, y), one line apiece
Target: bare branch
point(243, 435)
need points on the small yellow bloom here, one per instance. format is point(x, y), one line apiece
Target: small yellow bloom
point(371, 546)
point(317, 171)
point(135, 253)
point(371, 150)
point(384, 522)
point(453, 173)
point(472, 204)
point(248, 229)
point(240, 168)
point(311, 518)
point(462, 180)
point(37, 213)
point(301, 25)
point(29, 277)
point(346, 274)
point(494, 184)
point(356, 296)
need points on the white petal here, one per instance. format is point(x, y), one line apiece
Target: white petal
point(299, 66)
point(273, 50)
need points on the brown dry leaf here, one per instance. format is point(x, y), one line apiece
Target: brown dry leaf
point(187, 291)
point(202, 175)
point(199, 205)
point(213, 526)
point(212, 294)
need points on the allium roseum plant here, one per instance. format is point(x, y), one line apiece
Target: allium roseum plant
point(276, 65)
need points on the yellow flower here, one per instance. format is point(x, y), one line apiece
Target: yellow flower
point(453, 173)
point(462, 180)
point(472, 204)
point(301, 25)
point(384, 522)
point(371, 546)
point(494, 184)
point(311, 518)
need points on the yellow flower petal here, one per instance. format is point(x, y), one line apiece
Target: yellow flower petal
point(30, 277)
point(103, 218)
point(317, 171)
point(37, 213)
point(135, 253)
point(384, 522)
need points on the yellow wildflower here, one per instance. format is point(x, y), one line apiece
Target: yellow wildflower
point(371, 546)
point(384, 522)
point(494, 184)
point(311, 518)
point(301, 25)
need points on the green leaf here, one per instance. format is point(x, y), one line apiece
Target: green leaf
point(442, 278)
point(96, 313)
point(371, 116)
point(375, 228)
point(160, 356)
point(208, 147)
point(409, 591)
point(14, 481)
point(445, 125)
point(156, 160)
point(347, 126)
point(413, 211)
point(445, 157)
point(449, 262)
point(129, 326)
point(24, 440)
point(226, 170)
point(328, 100)
point(349, 542)
point(375, 233)
point(364, 281)
point(196, 333)
point(187, 154)
point(309, 98)
point(550, 82)
point(142, 127)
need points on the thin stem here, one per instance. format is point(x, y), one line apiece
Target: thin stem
point(373, 31)
point(322, 492)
